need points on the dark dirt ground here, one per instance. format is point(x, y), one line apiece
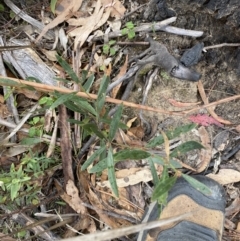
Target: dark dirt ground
point(220, 69)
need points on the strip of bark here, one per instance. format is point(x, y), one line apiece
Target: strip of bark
point(65, 143)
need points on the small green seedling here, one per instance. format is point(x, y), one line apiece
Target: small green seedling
point(37, 125)
point(129, 30)
point(109, 48)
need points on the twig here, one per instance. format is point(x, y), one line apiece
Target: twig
point(128, 75)
point(85, 147)
point(130, 13)
point(221, 45)
point(50, 34)
point(18, 83)
point(20, 124)
point(159, 26)
point(111, 234)
point(49, 89)
point(213, 104)
point(12, 125)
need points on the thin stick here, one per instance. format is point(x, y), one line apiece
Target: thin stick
point(221, 45)
point(48, 88)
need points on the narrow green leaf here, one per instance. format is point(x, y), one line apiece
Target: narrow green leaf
point(53, 5)
point(111, 172)
point(8, 82)
point(171, 134)
point(34, 79)
point(163, 187)
point(93, 129)
point(89, 83)
point(1, 8)
point(158, 159)
point(76, 122)
point(153, 171)
point(62, 99)
point(115, 123)
point(120, 156)
point(133, 154)
point(102, 94)
point(14, 190)
point(185, 147)
point(107, 120)
point(68, 69)
point(71, 106)
point(197, 185)
point(31, 141)
point(84, 105)
point(175, 163)
point(100, 166)
point(84, 75)
point(91, 159)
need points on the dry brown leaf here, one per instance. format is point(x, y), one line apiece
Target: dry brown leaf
point(93, 23)
point(210, 109)
point(35, 95)
point(137, 131)
point(1, 99)
point(226, 176)
point(228, 224)
point(205, 154)
point(123, 139)
point(237, 128)
point(128, 208)
point(6, 237)
point(4, 111)
point(131, 177)
point(129, 123)
point(122, 71)
point(96, 202)
point(118, 9)
point(73, 6)
point(233, 208)
point(71, 196)
point(50, 54)
point(238, 227)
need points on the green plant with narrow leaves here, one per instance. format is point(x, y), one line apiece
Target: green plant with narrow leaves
point(94, 117)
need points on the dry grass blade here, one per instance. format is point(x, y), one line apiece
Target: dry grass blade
point(111, 234)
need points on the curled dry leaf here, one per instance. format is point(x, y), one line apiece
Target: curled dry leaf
point(228, 224)
point(117, 10)
point(137, 132)
point(182, 104)
point(73, 6)
point(210, 109)
point(122, 71)
point(205, 154)
point(233, 208)
point(226, 176)
point(123, 139)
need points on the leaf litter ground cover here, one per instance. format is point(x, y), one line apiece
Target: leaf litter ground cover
point(109, 156)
